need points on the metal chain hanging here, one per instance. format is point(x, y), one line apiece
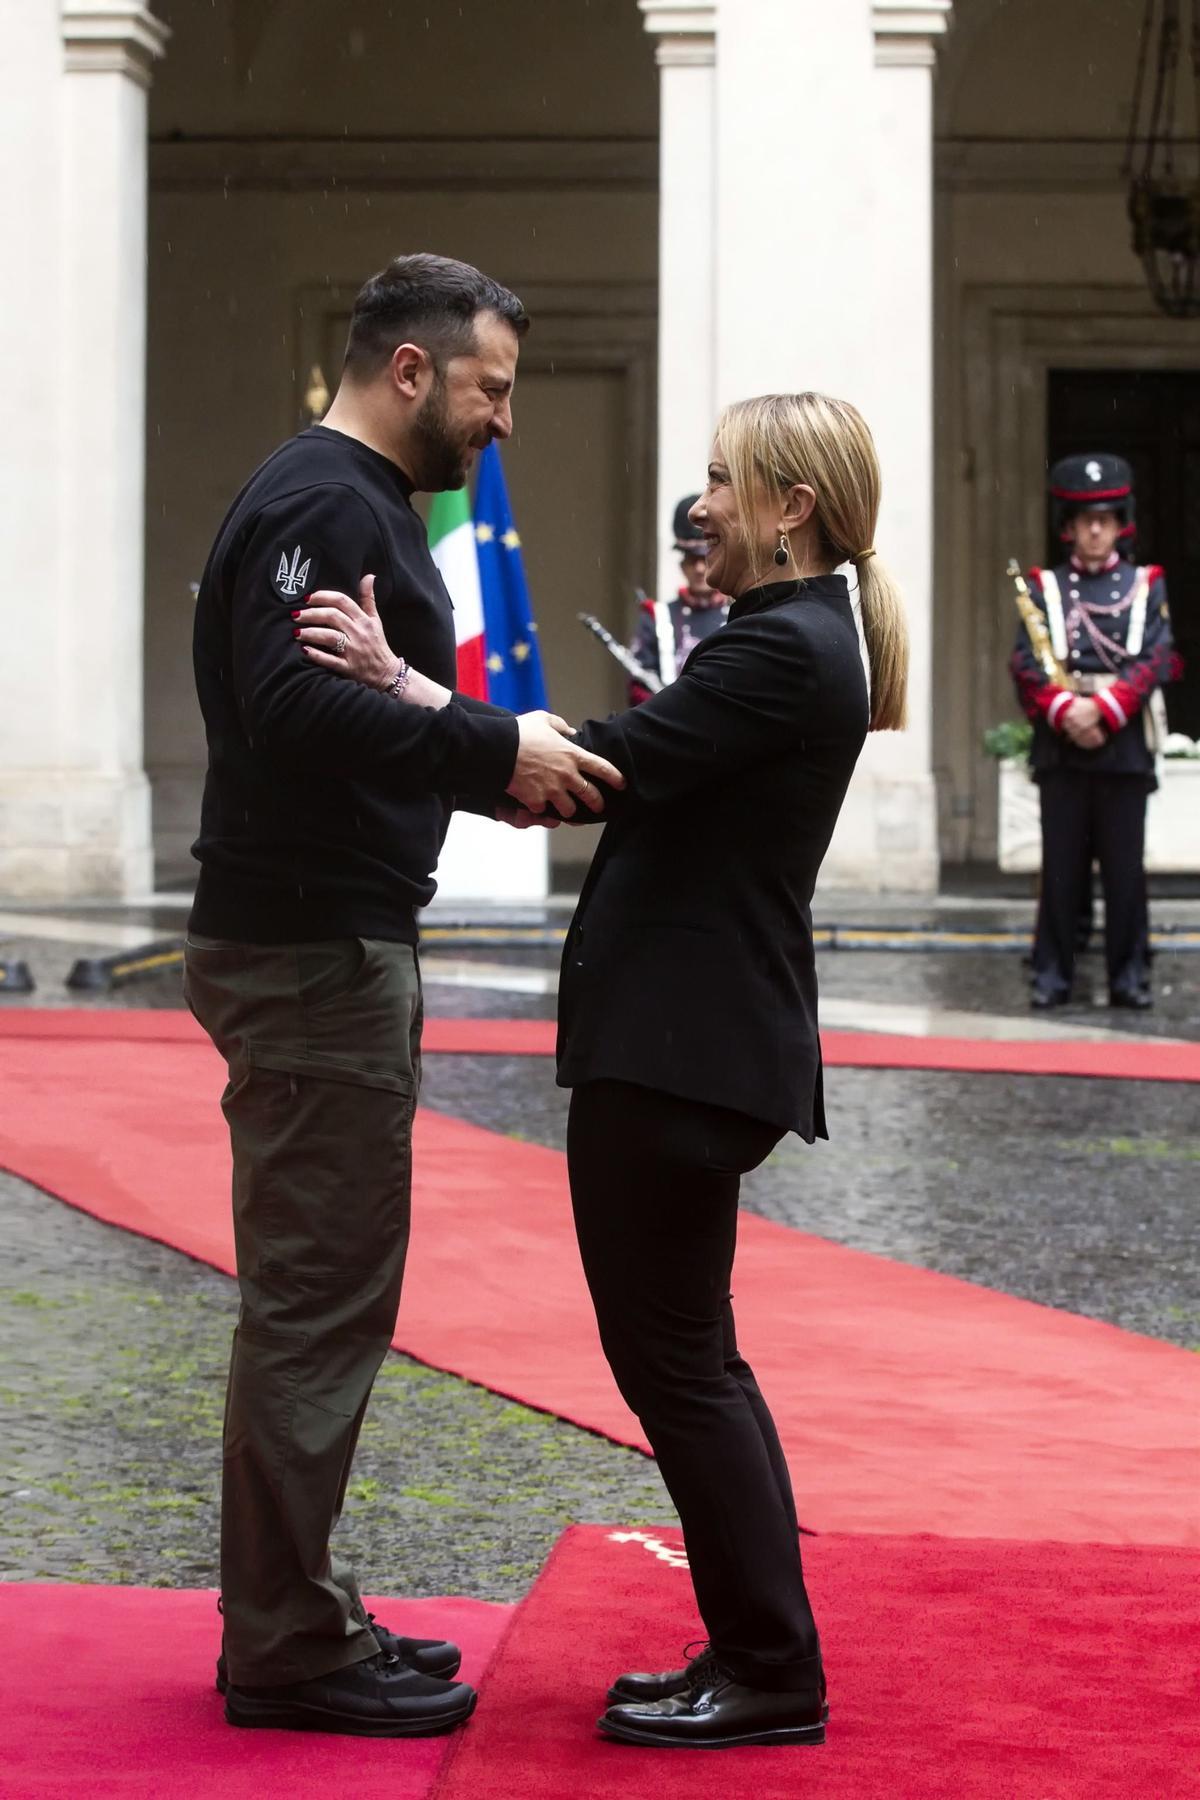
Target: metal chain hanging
point(1161, 161)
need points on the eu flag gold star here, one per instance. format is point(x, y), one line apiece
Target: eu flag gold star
point(510, 540)
point(484, 534)
point(519, 652)
point(495, 663)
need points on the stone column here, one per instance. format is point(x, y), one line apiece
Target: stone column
point(30, 386)
point(900, 409)
point(824, 280)
point(74, 803)
point(794, 212)
point(686, 54)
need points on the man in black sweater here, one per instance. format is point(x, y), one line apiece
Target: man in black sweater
point(324, 811)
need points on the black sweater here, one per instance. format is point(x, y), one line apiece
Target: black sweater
point(326, 804)
point(689, 963)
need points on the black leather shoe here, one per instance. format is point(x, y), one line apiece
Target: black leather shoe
point(716, 1713)
point(1138, 997)
point(380, 1697)
point(1046, 994)
point(428, 1656)
point(645, 1689)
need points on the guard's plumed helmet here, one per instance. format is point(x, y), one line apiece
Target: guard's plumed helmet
point(1093, 483)
point(689, 539)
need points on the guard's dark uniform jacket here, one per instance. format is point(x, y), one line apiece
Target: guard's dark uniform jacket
point(1113, 630)
point(689, 964)
point(1111, 634)
point(689, 625)
point(326, 803)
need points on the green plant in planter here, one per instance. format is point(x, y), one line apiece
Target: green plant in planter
point(1009, 742)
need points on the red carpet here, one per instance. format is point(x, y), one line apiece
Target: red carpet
point(109, 1691)
point(1149, 1060)
point(908, 1401)
point(1081, 1684)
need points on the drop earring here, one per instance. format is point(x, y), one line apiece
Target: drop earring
point(784, 552)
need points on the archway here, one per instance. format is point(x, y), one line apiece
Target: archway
point(292, 151)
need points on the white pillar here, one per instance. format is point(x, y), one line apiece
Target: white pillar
point(896, 771)
point(794, 211)
point(824, 280)
point(29, 385)
point(686, 55)
point(74, 803)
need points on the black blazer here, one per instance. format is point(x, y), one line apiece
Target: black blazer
point(689, 964)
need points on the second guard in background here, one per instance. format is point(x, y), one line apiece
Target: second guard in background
point(668, 630)
point(1088, 668)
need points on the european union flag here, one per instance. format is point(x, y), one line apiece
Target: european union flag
point(514, 662)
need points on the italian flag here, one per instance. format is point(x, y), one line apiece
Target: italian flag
point(452, 541)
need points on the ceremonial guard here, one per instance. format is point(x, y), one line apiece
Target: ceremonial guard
point(1093, 650)
point(669, 630)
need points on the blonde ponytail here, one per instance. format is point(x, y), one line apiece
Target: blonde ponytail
point(885, 629)
point(779, 440)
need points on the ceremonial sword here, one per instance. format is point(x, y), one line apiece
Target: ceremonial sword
point(1037, 630)
point(626, 658)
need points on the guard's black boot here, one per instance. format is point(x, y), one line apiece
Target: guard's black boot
point(380, 1697)
point(714, 1712)
point(1131, 993)
point(428, 1656)
point(1046, 992)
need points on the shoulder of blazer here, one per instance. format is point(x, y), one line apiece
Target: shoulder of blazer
point(820, 624)
point(782, 635)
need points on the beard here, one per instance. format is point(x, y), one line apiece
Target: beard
point(443, 456)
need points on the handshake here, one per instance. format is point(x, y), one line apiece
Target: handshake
point(552, 778)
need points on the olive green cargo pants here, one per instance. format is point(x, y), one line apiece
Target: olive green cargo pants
point(322, 1041)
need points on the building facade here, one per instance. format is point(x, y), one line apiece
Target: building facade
point(918, 207)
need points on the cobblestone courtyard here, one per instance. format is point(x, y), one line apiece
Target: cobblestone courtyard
point(1078, 1194)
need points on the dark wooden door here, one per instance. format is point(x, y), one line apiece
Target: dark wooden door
point(1152, 418)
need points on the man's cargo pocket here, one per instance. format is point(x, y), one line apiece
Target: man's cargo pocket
point(333, 1163)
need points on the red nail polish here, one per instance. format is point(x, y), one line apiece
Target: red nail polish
point(295, 615)
point(295, 634)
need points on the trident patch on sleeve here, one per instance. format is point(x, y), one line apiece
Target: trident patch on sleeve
point(292, 572)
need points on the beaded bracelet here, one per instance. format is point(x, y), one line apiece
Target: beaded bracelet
point(400, 680)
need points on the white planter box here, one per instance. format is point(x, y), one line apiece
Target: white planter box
point(1172, 823)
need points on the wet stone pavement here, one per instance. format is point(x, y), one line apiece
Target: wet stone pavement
point(113, 1353)
point(1078, 1194)
point(1061, 1192)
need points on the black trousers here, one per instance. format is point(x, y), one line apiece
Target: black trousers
point(654, 1183)
point(1104, 815)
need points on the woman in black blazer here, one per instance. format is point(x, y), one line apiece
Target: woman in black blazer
point(688, 1020)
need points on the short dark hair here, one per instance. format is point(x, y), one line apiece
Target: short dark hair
point(432, 301)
